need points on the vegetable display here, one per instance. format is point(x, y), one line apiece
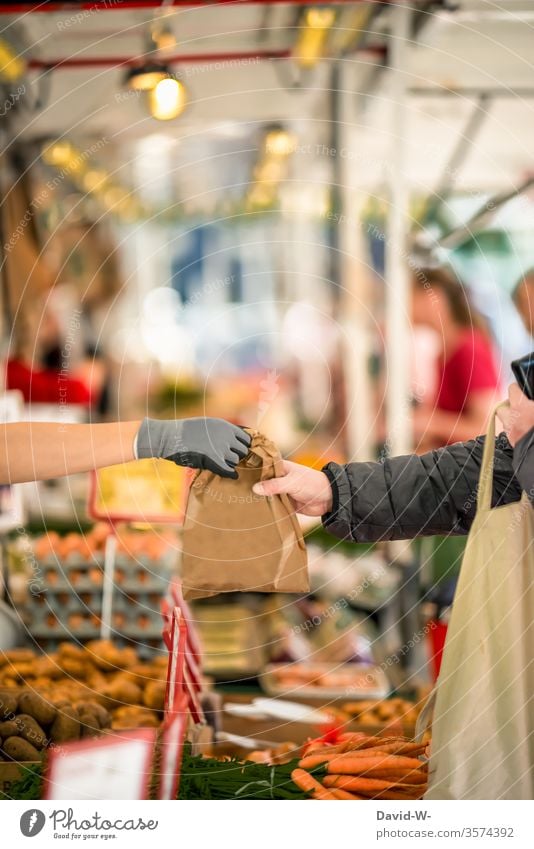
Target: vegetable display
point(355, 768)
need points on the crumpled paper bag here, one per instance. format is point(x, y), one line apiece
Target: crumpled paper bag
point(235, 540)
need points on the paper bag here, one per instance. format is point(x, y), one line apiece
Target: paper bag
point(236, 540)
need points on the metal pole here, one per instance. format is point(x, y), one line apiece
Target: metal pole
point(398, 419)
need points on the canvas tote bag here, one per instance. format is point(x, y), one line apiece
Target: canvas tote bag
point(483, 725)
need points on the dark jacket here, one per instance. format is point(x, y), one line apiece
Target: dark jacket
point(436, 493)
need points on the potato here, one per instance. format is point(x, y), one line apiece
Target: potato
point(119, 692)
point(154, 695)
point(19, 749)
point(88, 721)
point(8, 703)
point(101, 714)
point(132, 717)
point(34, 705)
point(65, 726)
point(73, 667)
point(9, 729)
point(71, 650)
point(17, 656)
point(31, 731)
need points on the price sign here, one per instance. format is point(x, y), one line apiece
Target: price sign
point(141, 491)
point(111, 767)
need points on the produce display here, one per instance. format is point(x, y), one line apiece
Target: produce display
point(130, 691)
point(381, 768)
point(72, 570)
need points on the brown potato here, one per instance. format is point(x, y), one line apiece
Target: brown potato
point(8, 703)
point(88, 721)
point(35, 705)
point(31, 731)
point(19, 749)
point(9, 729)
point(66, 726)
point(104, 718)
point(17, 656)
point(154, 695)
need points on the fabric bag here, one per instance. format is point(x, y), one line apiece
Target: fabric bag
point(234, 539)
point(483, 725)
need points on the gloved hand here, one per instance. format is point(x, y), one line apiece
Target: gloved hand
point(201, 443)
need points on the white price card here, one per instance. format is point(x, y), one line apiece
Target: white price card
point(117, 766)
point(171, 751)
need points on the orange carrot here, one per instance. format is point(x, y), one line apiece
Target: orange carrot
point(344, 794)
point(358, 784)
point(308, 783)
point(311, 761)
point(399, 795)
point(353, 735)
point(348, 765)
point(412, 749)
point(413, 777)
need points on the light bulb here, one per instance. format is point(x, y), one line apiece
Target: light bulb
point(168, 99)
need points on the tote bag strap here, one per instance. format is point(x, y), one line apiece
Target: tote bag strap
point(485, 481)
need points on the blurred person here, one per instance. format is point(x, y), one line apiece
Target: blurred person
point(411, 496)
point(37, 451)
point(467, 379)
point(41, 369)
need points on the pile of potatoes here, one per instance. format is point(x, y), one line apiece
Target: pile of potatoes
point(96, 686)
point(384, 712)
point(30, 723)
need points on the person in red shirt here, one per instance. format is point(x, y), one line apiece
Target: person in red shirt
point(468, 384)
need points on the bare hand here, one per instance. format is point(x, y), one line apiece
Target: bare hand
point(309, 490)
point(518, 419)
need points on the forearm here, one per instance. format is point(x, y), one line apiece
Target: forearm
point(36, 451)
point(411, 496)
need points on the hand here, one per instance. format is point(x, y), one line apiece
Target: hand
point(201, 443)
point(309, 490)
point(518, 418)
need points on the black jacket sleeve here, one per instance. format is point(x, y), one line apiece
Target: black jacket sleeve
point(523, 463)
point(406, 497)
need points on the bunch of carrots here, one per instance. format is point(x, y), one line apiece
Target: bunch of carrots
point(362, 767)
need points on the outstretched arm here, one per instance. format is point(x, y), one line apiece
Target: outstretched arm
point(401, 498)
point(36, 451)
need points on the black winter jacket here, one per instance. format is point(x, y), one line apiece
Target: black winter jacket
point(436, 493)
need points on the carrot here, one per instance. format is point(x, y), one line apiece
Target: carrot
point(371, 742)
point(412, 749)
point(307, 782)
point(311, 761)
point(358, 784)
point(412, 777)
point(344, 794)
point(349, 765)
point(353, 735)
point(399, 795)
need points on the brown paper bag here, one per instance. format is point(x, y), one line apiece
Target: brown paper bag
point(234, 539)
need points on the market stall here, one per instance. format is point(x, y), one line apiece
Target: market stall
point(228, 214)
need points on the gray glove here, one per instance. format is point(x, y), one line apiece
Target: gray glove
point(200, 443)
